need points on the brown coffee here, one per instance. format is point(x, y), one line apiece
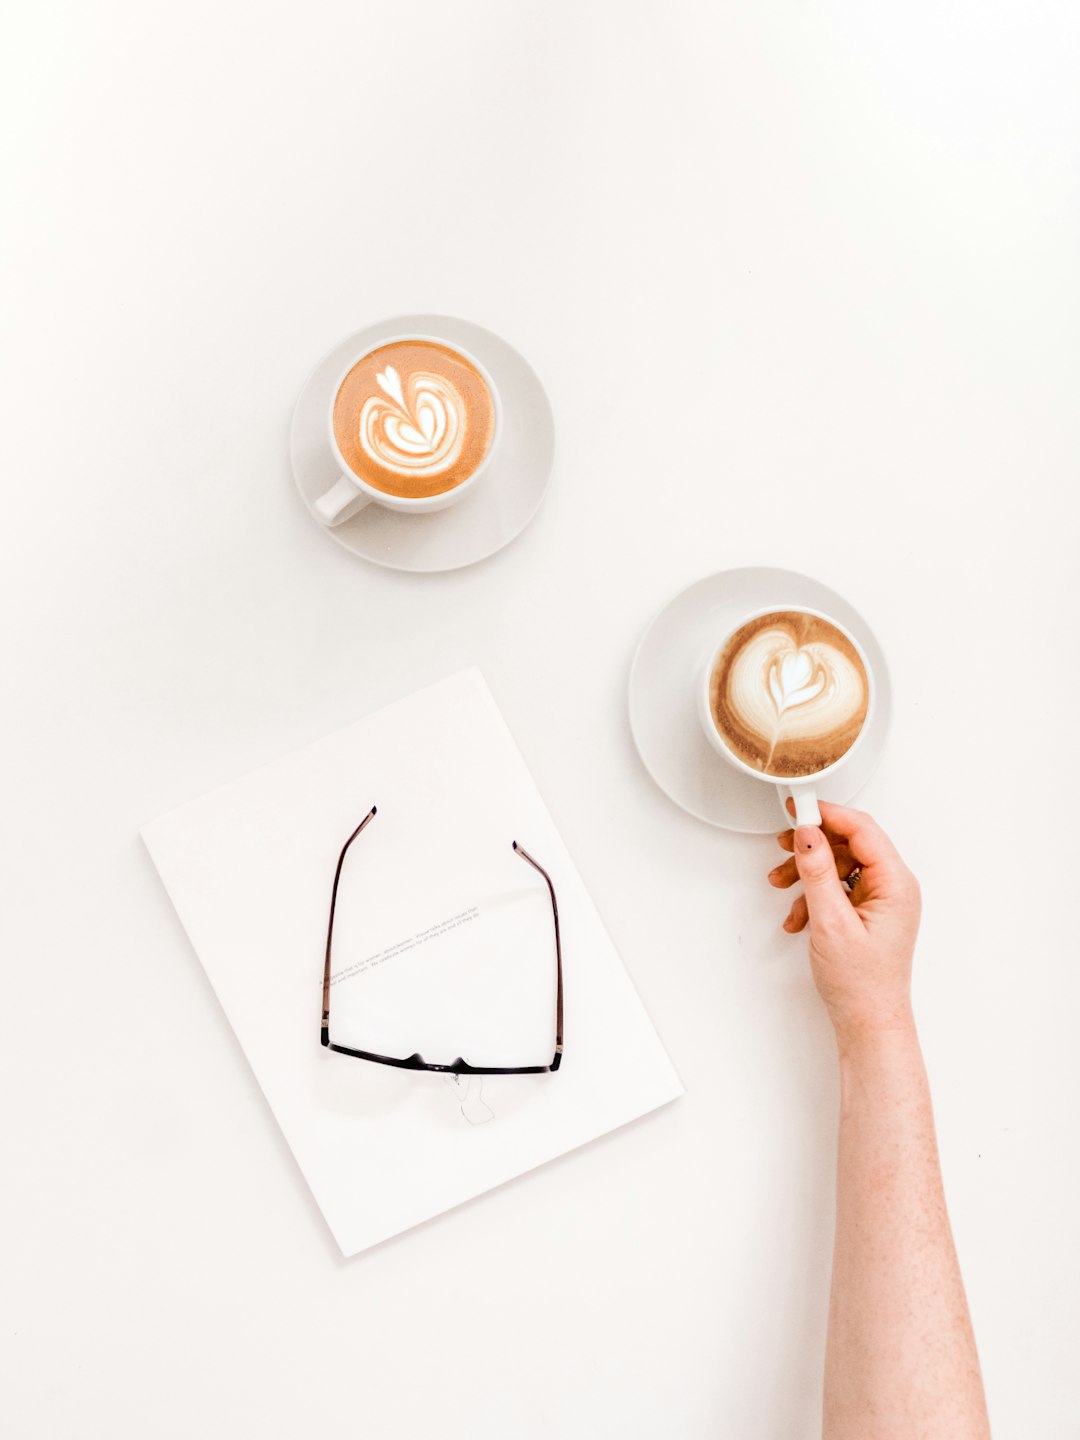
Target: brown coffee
point(414, 418)
point(789, 693)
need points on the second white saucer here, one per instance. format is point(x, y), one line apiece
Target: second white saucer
point(663, 710)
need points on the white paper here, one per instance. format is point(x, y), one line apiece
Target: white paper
point(443, 944)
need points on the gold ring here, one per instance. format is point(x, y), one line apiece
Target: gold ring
point(854, 877)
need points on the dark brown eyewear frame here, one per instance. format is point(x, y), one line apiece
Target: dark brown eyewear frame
point(417, 1062)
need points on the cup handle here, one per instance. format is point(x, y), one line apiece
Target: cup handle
point(341, 502)
point(806, 806)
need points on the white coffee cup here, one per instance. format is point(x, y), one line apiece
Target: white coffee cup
point(352, 493)
point(803, 790)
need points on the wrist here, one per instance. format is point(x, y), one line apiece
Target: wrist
point(863, 1039)
point(882, 1068)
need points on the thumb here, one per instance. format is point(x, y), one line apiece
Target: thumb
point(826, 899)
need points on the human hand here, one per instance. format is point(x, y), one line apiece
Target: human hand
point(861, 940)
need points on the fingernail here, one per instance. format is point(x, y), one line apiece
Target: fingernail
point(806, 837)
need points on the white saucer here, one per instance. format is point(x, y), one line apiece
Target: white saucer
point(505, 498)
point(663, 712)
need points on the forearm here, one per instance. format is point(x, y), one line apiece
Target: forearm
point(901, 1358)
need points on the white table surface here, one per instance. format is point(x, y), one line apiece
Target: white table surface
point(802, 283)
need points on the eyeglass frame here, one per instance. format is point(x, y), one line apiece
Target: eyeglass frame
point(416, 1061)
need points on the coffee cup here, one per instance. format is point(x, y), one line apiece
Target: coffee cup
point(413, 423)
point(786, 697)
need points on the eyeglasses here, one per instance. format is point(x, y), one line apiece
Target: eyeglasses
point(417, 1062)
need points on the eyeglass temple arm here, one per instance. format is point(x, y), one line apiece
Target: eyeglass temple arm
point(558, 951)
point(325, 1034)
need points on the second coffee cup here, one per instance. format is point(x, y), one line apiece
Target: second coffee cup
point(786, 697)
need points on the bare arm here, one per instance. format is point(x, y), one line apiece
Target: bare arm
point(900, 1359)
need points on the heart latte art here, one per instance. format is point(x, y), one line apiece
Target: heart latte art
point(420, 435)
point(789, 693)
point(414, 418)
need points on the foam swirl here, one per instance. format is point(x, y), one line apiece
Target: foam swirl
point(792, 695)
point(419, 429)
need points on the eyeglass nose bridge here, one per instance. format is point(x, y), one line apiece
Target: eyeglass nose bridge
point(453, 1068)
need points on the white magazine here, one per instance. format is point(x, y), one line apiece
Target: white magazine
point(443, 945)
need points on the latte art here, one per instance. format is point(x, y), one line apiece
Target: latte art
point(795, 679)
point(418, 435)
point(414, 418)
point(789, 694)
